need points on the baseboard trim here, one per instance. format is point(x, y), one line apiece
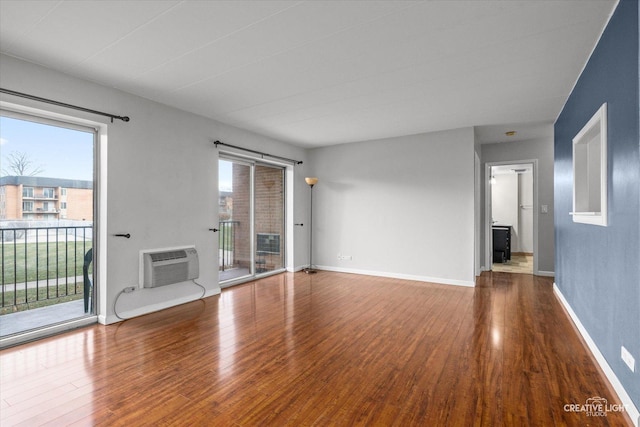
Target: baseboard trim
point(153, 307)
point(631, 409)
point(545, 273)
point(437, 280)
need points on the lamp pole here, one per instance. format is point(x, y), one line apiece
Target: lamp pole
point(311, 181)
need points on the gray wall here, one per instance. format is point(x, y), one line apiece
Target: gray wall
point(400, 207)
point(542, 150)
point(159, 182)
point(598, 268)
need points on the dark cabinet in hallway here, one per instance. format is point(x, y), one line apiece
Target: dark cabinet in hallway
point(501, 243)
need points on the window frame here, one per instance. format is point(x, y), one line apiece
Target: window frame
point(590, 178)
point(27, 203)
point(99, 131)
point(26, 190)
point(48, 193)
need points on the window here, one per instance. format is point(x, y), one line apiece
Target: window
point(63, 205)
point(252, 222)
point(268, 243)
point(590, 171)
point(53, 252)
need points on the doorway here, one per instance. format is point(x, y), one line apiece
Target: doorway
point(251, 219)
point(511, 217)
point(47, 233)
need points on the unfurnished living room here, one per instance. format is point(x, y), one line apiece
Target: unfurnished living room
point(269, 213)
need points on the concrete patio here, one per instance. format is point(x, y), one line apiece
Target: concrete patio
point(23, 321)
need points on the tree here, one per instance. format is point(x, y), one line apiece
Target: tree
point(21, 165)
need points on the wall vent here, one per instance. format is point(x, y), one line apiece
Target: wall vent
point(168, 266)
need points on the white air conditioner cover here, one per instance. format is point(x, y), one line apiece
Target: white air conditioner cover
point(169, 266)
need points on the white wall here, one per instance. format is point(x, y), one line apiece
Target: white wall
point(160, 180)
point(400, 207)
point(512, 204)
point(504, 201)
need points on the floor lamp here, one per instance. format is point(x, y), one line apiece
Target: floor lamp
point(311, 181)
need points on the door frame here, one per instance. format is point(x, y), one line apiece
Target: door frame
point(252, 162)
point(488, 258)
point(99, 130)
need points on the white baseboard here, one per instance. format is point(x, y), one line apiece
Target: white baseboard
point(631, 409)
point(545, 273)
point(153, 307)
point(437, 280)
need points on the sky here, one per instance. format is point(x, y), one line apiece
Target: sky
point(225, 182)
point(59, 152)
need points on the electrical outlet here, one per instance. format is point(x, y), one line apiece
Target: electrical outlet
point(544, 209)
point(628, 358)
point(345, 257)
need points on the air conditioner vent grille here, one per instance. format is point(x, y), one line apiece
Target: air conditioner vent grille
point(168, 266)
point(169, 255)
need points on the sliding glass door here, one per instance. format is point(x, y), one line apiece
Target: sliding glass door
point(46, 225)
point(269, 218)
point(251, 215)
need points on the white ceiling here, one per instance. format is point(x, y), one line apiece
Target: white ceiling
point(318, 73)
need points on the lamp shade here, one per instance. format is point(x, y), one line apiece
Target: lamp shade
point(311, 180)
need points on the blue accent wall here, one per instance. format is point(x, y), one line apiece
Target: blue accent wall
point(598, 268)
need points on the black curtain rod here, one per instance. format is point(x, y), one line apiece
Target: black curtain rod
point(297, 162)
point(62, 104)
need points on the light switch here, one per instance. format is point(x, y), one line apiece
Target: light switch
point(544, 208)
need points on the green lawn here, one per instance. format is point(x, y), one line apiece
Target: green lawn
point(30, 262)
point(27, 262)
point(21, 300)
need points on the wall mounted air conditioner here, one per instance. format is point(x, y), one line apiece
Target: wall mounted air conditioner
point(162, 267)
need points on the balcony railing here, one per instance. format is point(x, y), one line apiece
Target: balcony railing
point(227, 243)
point(42, 265)
point(40, 196)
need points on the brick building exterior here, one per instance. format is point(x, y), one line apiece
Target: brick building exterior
point(45, 199)
point(269, 216)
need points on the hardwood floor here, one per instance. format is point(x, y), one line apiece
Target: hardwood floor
point(324, 349)
point(519, 263)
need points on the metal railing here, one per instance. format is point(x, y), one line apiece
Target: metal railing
point(227, 243)
point(42, 265)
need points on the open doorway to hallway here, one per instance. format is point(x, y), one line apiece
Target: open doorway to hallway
point(512, 217)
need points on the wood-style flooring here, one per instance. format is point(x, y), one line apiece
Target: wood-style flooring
point(325, 349)
point(519, 263)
